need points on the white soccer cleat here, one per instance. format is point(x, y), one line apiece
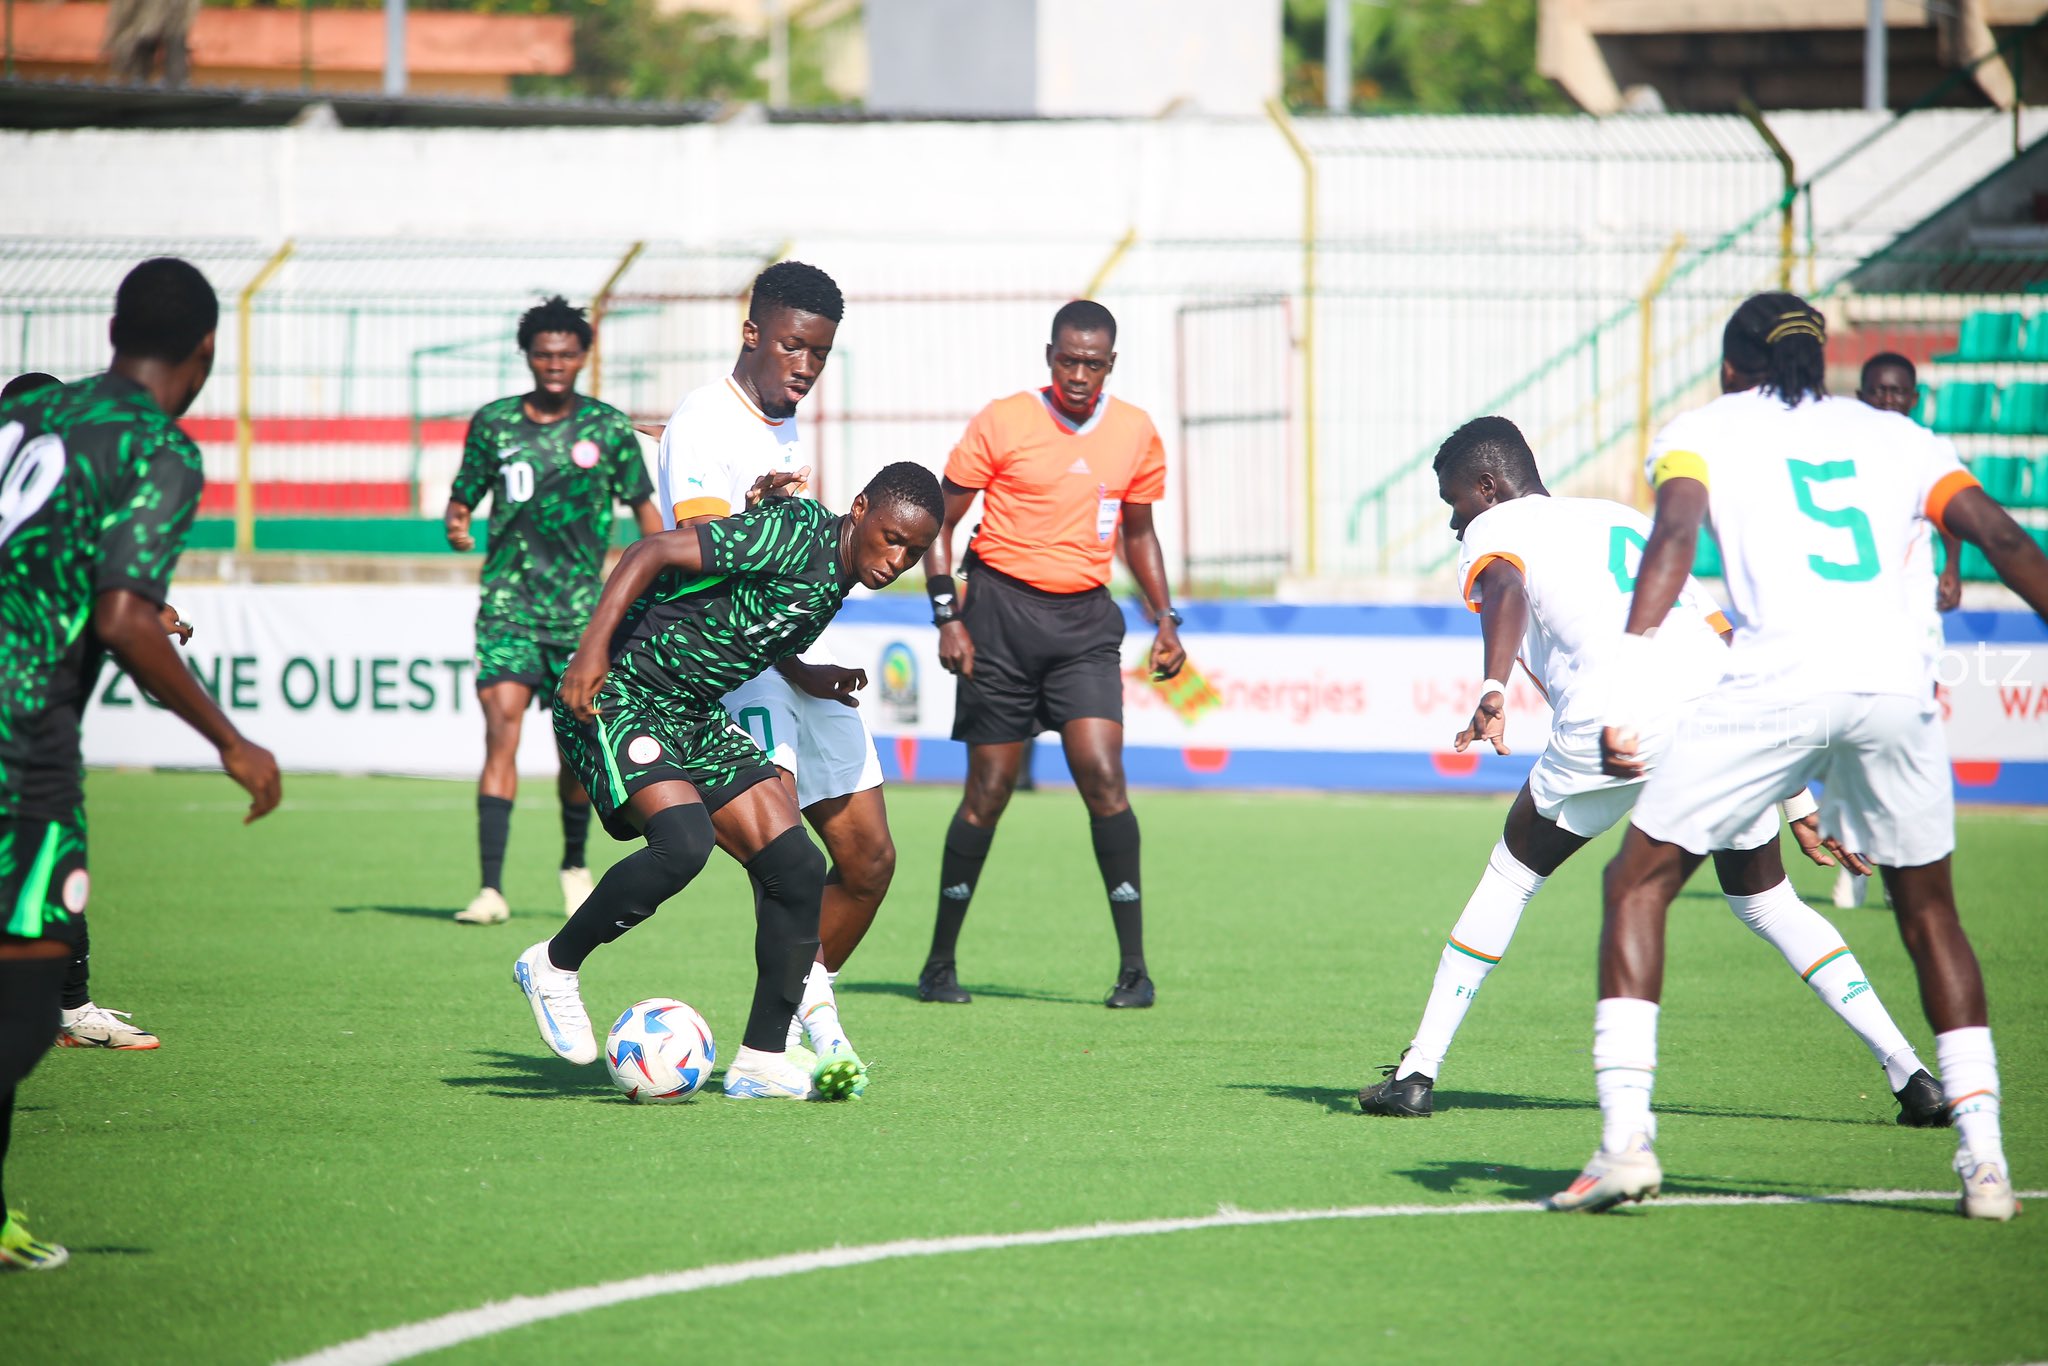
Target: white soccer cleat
point(1987, 1188)
point(577, 885)
point(1849, 889)
point(766, 1076)
point(1611, 1178)
point(92, 1026)
point(487, 907)
point(557, 1006)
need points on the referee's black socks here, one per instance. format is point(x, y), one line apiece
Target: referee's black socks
point(1116, 854)
point(959, 874)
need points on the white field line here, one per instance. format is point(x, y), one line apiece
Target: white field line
point(450, 1330)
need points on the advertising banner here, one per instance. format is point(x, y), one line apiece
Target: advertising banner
point(380, 678)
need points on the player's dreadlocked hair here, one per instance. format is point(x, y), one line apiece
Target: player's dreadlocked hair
point(163, 310)
point(1488, 445)
point(798, 287)
point(1083, 315)
point(1780, 341)
point(553, 314)
point(909, 486)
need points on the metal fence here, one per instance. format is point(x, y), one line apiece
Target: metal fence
point(1572, 274)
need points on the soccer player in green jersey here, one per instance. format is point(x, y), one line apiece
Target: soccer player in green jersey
point(686, 617)
point(100, 489)
point(552, 462)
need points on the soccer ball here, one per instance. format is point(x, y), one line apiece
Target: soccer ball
point(660, 1052)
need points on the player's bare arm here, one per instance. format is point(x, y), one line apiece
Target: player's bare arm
point(131, 626)
point(1973, 516)
point(1667, 560)
point(455, 524)
point(956, 649)
point(638, 568)
point(1503, 620)
point(1148, 567)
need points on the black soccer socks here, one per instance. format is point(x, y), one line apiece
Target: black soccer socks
point(1116, 854)
point(679, 842)
point(575, 833)
point(789, 885)
point(959, 874)
point(493, 829)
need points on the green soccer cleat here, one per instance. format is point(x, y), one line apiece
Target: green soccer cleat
point(21, 1250)
point(840, 1074)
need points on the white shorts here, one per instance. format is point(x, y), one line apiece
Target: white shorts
point(1570, 790)
point(824, 743)
point(1882, 762)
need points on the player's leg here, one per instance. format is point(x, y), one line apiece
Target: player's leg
point(1893, 799)
point(855, 831)
point(636, 766)
point(761, 827)
point(569, 793)
point(84, 1024)
point(508, 668)
point(1082, 696)
point(31, 975)
point(1532, 846)
point(991, 778)
point(1754, 882)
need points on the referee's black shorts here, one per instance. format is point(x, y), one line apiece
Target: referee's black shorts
point(1040, 659)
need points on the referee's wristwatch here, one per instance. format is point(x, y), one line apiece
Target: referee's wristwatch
point(1173, 615)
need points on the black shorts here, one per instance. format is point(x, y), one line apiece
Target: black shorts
point(1040, 659)
point(43, 882)
point(514, 654)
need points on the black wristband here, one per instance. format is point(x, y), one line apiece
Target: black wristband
point(943, 592)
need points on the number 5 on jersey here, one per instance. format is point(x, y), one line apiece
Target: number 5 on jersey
point(1849, 519)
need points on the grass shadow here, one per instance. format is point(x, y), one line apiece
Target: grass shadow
point(909, 992)
point(1340, 1101)
point(527, 1076)
point(1488, 1179)
point(1336, 1101)
point(419, 912)
point(108, 1250)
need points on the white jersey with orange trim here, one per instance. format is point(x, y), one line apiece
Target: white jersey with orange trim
point(1816, 508)
point(1578, 559)
point(716, 445)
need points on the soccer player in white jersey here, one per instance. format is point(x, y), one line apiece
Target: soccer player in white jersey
point(725, 439)
point(1814, 501)
point(1550, 578)
point(1890, 382)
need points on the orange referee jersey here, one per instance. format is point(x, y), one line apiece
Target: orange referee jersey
point(1053, 493)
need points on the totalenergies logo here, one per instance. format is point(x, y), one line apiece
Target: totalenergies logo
point(899, 682)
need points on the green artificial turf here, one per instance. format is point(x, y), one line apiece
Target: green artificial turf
point(352, 1124)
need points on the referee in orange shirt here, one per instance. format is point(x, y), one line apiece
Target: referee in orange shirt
point(1035, 643)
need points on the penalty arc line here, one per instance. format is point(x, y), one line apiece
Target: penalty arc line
point(468, 1325)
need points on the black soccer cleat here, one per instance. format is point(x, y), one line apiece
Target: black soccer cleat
point(940, 982)
point(1409, 1097)
point(1133, 991)
point(1920, 1103)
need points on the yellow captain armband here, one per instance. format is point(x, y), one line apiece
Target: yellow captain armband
point(1678, 465)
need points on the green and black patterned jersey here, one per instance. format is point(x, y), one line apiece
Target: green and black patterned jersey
point(552, 486)
point(771, 584)
point(98, 488)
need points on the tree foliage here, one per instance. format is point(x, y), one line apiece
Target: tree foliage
point(1426, 56)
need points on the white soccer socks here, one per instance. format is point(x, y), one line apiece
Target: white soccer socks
point(1474, 949)
point(1814, 949)
point(1969, 1083)
point(819, 1010)
point(1625, 1069)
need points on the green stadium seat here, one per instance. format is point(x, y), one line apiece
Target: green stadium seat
point(1976, 569)
point(2004, 477)
point(2035, 347)
point(1964, 406)
point(1988, 336)
point(1921, 400)
point(2023, 410)
point(2037, 483)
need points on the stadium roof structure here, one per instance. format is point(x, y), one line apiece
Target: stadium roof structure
point(81, 104)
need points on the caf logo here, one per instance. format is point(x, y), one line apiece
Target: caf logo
point(584, 453)
point(899, 682)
